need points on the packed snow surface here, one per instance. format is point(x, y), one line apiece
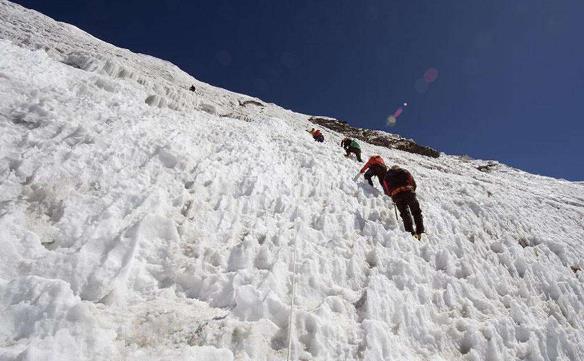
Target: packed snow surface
point(142, 221)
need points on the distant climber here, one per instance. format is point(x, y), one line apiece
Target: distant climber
point(375, 166)
point(192, 88)
point(316, 134)
point(351, 146)
point(399, 184)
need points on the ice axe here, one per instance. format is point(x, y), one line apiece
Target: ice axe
point(395, 209)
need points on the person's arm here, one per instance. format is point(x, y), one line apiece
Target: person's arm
point(412, 181)
point(365, 167)
point(386, 186)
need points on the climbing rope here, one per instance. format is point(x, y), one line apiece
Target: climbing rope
point(292, 301)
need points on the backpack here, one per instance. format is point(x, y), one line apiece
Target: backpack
point(354, 144)
point(398, 178)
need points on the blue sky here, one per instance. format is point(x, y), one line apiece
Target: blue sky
point(510, 82)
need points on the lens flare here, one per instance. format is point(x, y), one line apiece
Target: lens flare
point(392, 119)
point(398, 112)
point(431, 75)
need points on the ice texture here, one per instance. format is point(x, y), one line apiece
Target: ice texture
point(142, 221)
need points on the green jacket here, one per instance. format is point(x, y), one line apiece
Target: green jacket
point(354, 144)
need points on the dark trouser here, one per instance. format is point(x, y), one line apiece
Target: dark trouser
point(319, 138)
point(369, 174)
point(356, 151)
point(406, 202)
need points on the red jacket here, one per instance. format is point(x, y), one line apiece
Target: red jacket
point(316, 133)
point(375, 160)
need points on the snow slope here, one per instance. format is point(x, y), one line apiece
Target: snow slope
point(139, 220)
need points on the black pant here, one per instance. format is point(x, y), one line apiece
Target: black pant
point(369, 174)
point(377, 170)
point(356, 151)
point(406, 202)
point(319, 138)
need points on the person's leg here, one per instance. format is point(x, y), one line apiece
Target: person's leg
point(347, 152)
point(368, 176)
point(404, 211)
point(416, 212)
point(355, 151)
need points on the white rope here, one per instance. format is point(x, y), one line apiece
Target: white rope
point(292, 302)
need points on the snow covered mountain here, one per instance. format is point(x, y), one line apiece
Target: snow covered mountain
point(139, 220)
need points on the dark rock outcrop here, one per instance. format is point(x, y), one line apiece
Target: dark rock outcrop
point(487, 167)
point(375, 137)
point(250, 101)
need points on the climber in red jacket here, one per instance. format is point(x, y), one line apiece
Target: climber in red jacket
point(400, 185)
point(316, 134)
point(375, 166)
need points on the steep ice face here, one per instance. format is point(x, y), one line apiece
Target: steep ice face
point(133, 231)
